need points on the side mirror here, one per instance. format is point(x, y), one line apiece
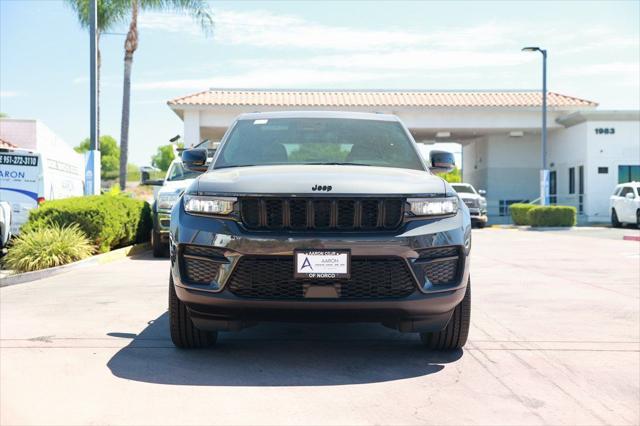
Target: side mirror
point(195, 160)
point(441, 161)
point(482, 192)
point(630, 195)
point(145, 179)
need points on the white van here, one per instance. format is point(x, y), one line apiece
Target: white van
point(28, 178)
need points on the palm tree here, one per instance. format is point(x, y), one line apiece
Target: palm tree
point(198, 9)
point(110, 14)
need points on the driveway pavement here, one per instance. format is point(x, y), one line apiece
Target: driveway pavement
point(555, 339)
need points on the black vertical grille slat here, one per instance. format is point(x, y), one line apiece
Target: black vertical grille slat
point(346, 213)
point(321, 214)
point(392, 213)
point(274, 212)
point(250, 211)
point(298, 214)
point(369, 214)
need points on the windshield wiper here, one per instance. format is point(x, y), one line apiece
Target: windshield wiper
point(339, 164)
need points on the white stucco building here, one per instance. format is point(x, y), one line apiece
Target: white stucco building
point(589, 151)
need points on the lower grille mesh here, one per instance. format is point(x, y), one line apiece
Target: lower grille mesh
point(272, 278)
point(201, 264)
point(440, 265)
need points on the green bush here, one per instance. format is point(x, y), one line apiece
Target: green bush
point(46, 247)
point(110, 221)
point(520, 213)
point(552, 216)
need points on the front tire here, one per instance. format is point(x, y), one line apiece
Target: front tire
point(454, 335)
point(184, 334)
point(159, 249)
point(614, 219)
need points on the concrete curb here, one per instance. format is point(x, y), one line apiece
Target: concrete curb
point(99, 259)
point(549, 228)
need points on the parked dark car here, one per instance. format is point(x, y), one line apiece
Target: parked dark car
point(319, 216)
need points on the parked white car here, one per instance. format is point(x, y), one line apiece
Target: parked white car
point(625, 204)
point(475, 201)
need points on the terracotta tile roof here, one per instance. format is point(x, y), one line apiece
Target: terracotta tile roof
point(353, 98)
point(6, 144)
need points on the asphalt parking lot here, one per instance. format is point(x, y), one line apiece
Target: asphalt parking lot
point(555, 339)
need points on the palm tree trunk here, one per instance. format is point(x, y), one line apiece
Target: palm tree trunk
point(130, 47)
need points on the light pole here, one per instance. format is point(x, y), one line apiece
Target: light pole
point(544, 173)
point(92, 158)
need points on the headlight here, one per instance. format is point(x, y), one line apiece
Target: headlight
point(200, 204)
point(483, 203)
point(167, 200)
point(433, 206)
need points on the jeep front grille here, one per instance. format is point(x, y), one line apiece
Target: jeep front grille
point(321, 214)
point(271, 277)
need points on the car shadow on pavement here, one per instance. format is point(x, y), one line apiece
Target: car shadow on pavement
point(278, 354)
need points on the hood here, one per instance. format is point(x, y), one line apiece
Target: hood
point(300, 179)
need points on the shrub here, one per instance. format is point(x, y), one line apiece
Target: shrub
point(110, 221)
point(46, 247)
point(552, 216)
point(520, 213)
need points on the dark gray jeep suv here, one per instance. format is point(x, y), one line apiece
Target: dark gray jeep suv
point(319, 216)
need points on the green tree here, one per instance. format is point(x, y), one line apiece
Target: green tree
point(454, 176)
point(163, 157)
point(198, 9)
point(109, 155)
point(3, 115)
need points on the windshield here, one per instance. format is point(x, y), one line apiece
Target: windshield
point(178, 172)
point(318, 141)
point(463, 189)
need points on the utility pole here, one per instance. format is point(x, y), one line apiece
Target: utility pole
point(92, 158)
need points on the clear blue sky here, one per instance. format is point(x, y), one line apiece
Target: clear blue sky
point(594, 50)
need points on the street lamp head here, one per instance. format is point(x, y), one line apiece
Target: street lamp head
point(531, 49)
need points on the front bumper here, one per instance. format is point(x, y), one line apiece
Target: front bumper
point(161, 224)
point(215, 307)
point(478, 214)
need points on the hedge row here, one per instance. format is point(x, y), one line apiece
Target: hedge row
point(520, 213)
point(109, 221)
point(530, 214)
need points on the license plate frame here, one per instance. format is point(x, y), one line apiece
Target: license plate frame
point(340, 268)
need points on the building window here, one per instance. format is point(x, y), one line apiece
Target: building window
point(572, 180)
point(628, 174)
point(504, 206)
point(603, 170)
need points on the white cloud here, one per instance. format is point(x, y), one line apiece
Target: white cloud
point(266, 78)
point(292, 51)
point(9, 94)
point(613, 73)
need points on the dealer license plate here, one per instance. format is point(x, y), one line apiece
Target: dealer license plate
point(322, 264)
